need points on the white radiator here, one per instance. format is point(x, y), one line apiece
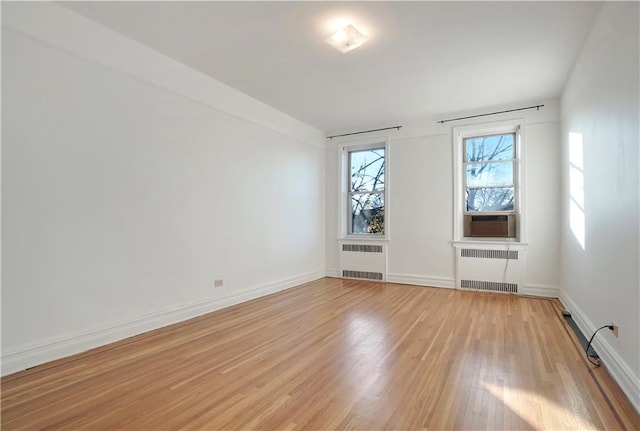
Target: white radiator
point(363, 261)
point(489, 268)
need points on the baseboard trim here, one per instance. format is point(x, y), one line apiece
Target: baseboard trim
point(616, 366)
point(33, 354)
point(541, 290)
point(421, 280)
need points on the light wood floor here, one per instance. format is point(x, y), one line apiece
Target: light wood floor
point(334, 354)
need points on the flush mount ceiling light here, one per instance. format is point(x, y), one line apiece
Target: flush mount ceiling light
point(346, 39)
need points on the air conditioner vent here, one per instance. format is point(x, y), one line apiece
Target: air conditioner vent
point(489, 254)
point(362, 274)
point(492, 286)
point(362, 248)
point(490, 225)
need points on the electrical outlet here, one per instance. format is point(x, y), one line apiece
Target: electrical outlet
point(218, 283)
point(615, 329)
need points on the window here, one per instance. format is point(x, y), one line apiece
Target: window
point(488, 168)
point(488, 181)
point(366, 191)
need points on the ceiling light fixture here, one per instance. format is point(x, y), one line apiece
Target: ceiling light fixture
point(346, 39)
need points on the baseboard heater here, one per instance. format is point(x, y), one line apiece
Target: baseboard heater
point(489, 269)
point(347, 273)
point(489, 285)
point(363, 261)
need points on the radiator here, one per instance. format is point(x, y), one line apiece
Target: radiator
point(489, 269)
point(363, 261)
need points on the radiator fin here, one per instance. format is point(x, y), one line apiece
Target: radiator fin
point(492, 286)
point(362, 248)
point(489, 254)
point(362, 274)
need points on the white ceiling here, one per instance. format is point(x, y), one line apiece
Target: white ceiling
point(422, 59)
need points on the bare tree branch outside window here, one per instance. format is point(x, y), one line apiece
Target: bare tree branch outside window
point(489, 170)
point(366, 194)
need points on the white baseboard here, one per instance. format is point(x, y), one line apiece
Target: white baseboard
point(38, 353)
point(421, 280)
point(616, 366)
point(540, 290)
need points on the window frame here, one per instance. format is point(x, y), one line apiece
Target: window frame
point(460, 134)
point(345, 188)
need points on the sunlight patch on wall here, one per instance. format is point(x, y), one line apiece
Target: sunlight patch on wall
point(577, 219)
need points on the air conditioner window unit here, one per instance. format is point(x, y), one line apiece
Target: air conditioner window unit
point(490, 225)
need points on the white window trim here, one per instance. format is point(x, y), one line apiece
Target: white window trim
point(343, 207)
point(498, 127)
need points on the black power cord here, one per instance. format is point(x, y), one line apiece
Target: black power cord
point(596, 363)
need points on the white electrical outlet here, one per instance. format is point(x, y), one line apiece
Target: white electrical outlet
point(615, 329)
point(218, 283)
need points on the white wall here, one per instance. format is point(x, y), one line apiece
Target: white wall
point(130, 182)
point(600, 283)
point(421, 201)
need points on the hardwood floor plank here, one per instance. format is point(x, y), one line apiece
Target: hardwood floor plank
point(333, 354)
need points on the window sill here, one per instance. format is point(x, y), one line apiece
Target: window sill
point(489, 243)
point(363, 238)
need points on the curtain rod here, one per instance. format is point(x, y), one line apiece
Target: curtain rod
point(364, 131)
point(537, 107)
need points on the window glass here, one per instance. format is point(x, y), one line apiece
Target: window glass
point(366, 191)
point(367, 213)
point(489, 173)
point(485, 148)
point(490, 199)
point(367, 170)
